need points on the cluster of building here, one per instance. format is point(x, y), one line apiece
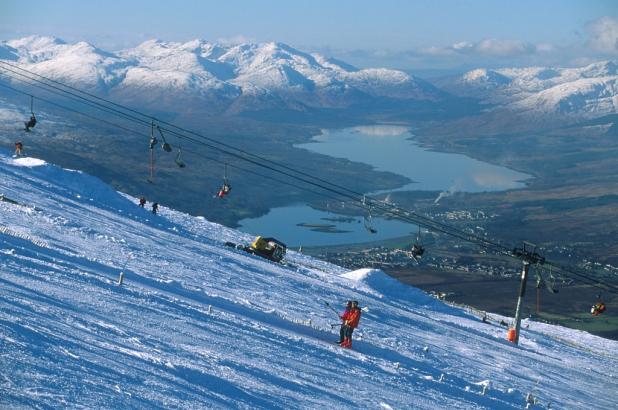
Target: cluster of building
point(385, 258)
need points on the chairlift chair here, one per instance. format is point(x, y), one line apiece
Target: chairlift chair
point(551, 286)
point(153, 143)
point(367, 222)
point(599, 307)
point(417, 250)
point(32, 121)
point(226, 187)
point(166, 147)
point(178, 159)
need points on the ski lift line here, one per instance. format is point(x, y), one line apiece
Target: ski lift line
point(76, 111)
point(431, 223)
point(390, 210)
point(428, 223)
point(45, 87)
point(569, 272)
point(185, 151)
point(354, 203)
point(77, 90)
point(153, 118)
point(274, 179)
point(488, 244)
point(66, 108)
point(81, 99)
point(137, 133)
point(416, 218)
point(182, 135)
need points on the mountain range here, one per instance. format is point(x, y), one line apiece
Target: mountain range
point(229, 78)
point(584, 92)
point(219, 78)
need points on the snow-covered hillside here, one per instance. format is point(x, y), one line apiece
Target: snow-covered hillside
point(228, 77)
point(200, 325)
point(585, 92)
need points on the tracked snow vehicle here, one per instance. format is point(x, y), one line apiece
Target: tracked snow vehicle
point(269, 248)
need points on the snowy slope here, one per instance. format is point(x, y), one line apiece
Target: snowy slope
point(248, 76)
point(584, 92)
point(200, 325)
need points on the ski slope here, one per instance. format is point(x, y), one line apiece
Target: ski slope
point(200, 325)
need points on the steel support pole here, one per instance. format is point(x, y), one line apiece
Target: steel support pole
point(522, 292)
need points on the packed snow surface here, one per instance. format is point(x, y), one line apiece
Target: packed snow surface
point(197, 324)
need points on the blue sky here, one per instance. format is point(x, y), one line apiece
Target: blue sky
point(405, 34)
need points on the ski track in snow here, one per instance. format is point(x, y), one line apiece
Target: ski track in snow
point(200, 325)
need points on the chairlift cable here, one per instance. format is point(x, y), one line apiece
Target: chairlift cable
point(419, 219)
point(409, 216)
point(416, 218)
point(391, 210)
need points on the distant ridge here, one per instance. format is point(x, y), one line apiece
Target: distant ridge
point(234, 78)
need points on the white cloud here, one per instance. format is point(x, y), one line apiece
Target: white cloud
point(237, 39)
point(437, 51)
point(463, 45)
point(486, 47)
point(495, 47)
point(603, 35)
point(596, 41)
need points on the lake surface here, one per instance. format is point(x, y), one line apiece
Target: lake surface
point(389, 148)
point(302, 225)
point(386, 148)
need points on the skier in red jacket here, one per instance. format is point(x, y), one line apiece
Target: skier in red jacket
point(344, 318)
point(350, 323)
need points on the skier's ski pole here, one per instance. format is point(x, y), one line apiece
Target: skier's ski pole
point(129, 256)
point(331, 308)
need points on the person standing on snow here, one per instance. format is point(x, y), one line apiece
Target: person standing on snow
point(344, 318)
point(155, 208)
point(351, 323)
point(142, 202)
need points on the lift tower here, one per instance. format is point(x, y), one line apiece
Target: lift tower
point(528, 255)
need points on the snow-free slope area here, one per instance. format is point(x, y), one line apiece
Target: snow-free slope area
point(197, 324)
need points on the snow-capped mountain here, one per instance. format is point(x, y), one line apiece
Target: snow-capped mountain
point(220, 78)
point(584, 92)
point(229, 77)
point(197, 324)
